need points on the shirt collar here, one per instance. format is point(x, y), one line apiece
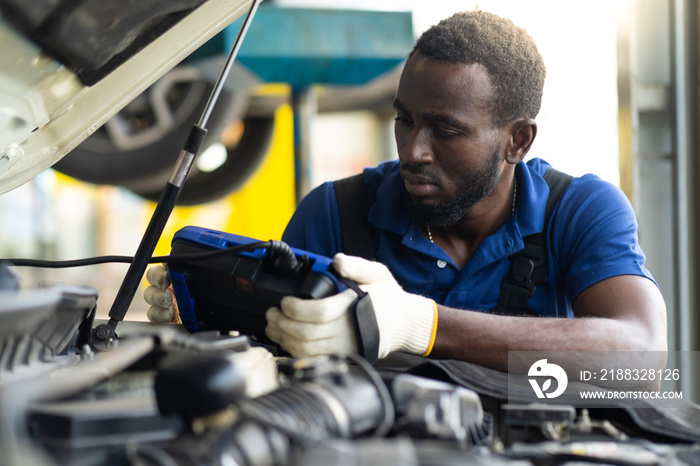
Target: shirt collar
point(531, 200)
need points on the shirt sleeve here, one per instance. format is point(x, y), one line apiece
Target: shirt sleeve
point(315, 225)
point(596, 235)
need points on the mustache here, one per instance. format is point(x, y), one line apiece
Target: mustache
point(417, 170)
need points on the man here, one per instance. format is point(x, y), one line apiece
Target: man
point(451, 211)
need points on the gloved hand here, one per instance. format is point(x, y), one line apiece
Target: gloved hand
point(159, 295)
point(407, 322)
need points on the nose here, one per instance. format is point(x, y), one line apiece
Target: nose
point(414, 145)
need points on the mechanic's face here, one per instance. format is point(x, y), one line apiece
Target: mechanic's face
point(450, 153)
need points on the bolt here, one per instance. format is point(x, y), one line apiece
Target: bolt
point(103, 333)
point(10, 153)
point(10, 156)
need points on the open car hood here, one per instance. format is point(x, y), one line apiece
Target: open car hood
point(66, 68)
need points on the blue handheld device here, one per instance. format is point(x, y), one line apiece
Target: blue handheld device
point(232, 292)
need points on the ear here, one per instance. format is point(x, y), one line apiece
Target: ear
point(522, 134)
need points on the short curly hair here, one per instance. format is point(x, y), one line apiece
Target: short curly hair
point(507, 51)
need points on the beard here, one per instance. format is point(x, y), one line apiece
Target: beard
point(471, 190)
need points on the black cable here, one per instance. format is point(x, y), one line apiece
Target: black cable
point(127, 259)
point(288, 259)
point(69, 263)
point(387, 401)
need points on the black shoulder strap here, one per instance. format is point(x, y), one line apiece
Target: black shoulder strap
point(353, 206)
point(528, 267)
point(557, 182)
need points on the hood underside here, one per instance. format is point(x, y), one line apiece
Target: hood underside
point(67, 67)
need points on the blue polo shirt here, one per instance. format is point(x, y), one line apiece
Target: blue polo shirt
point(592, 236)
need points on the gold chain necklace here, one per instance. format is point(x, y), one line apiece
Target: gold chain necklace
point(512, 210)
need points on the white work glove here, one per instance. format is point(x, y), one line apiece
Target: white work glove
point(406, 322)
point(159, 295)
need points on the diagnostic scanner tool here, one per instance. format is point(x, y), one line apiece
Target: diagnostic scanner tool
point(232, 292)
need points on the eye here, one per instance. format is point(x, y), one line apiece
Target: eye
point(444, 134)
point(403, 120)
